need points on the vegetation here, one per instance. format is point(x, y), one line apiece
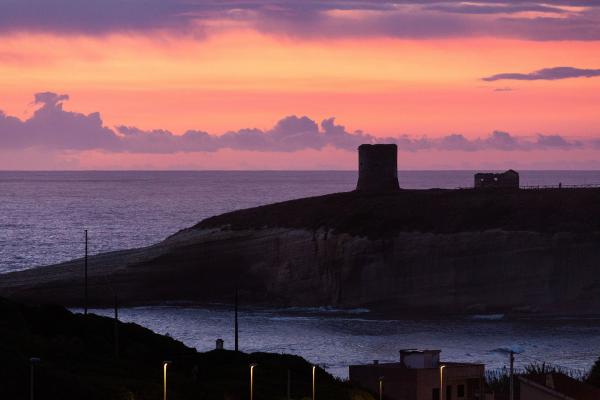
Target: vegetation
point(544, 368)
point(499, 380)
point(79, 361)
point(594, 375)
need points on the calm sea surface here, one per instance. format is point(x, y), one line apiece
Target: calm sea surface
point(43, 215)
point(335, 339)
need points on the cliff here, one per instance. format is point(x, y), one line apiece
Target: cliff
point(435, 251)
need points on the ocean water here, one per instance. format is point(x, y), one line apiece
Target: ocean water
point(335, 339)
point(43, 215)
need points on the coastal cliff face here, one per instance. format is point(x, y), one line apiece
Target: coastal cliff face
point(275, 261)
point(463, 272)
point(469, 272)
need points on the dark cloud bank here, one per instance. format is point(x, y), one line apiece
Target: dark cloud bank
point(548, 74)
point(395, 18)
point(51, 127)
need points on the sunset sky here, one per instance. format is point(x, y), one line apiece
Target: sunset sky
point(267, 84)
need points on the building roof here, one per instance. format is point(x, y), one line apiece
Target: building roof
point(397, 364)
point(491, 174)
point(418, 351)
point(562, 384)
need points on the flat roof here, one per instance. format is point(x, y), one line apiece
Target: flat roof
point(420, 351)
point(400, 365)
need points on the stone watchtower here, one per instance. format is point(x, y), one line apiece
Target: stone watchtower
point(377, 168)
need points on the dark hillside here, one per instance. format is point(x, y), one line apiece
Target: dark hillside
point(78, 362)
point(435, 210)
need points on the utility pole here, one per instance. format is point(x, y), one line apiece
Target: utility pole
point(116, 328)
point(289, 384)
point(85, 284)
point(236, 321)
point(32, 362)
point(512, 370)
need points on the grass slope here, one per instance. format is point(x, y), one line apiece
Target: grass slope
point(78, 362)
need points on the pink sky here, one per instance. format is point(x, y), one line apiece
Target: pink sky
point(411, 72)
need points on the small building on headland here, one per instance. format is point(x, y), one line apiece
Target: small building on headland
point(504, 180)
point(555, 386)
point(420, 375)
point(377, 168)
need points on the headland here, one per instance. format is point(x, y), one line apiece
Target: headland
point(493, 248)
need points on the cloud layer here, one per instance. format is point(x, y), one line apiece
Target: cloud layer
point(528, 19)
point(549, 74)
point(51, 127)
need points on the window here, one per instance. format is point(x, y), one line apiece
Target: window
point(435, 394)
point(449, 392)
point(460, 391)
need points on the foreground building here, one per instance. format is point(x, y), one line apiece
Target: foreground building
point(421, 376)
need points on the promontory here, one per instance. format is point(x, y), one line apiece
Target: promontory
point(475, 250)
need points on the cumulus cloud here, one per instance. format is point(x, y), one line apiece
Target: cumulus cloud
point(551, 20)
point(504, 141)
point(52, 127)
point(549, 74)
point(556, 141)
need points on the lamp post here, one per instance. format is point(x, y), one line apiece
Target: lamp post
point(381, 388)
point(442, 382)
point(252, 381)
point(165, 364)
point(314, 370)
point(32, 362)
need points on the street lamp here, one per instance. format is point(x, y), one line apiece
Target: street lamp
point(32, 362)
point(165, 364)
point(442, 382)
point(252, 381)
point(381, 388)
point(314, 369)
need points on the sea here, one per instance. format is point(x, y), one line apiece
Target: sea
point(43, 216)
